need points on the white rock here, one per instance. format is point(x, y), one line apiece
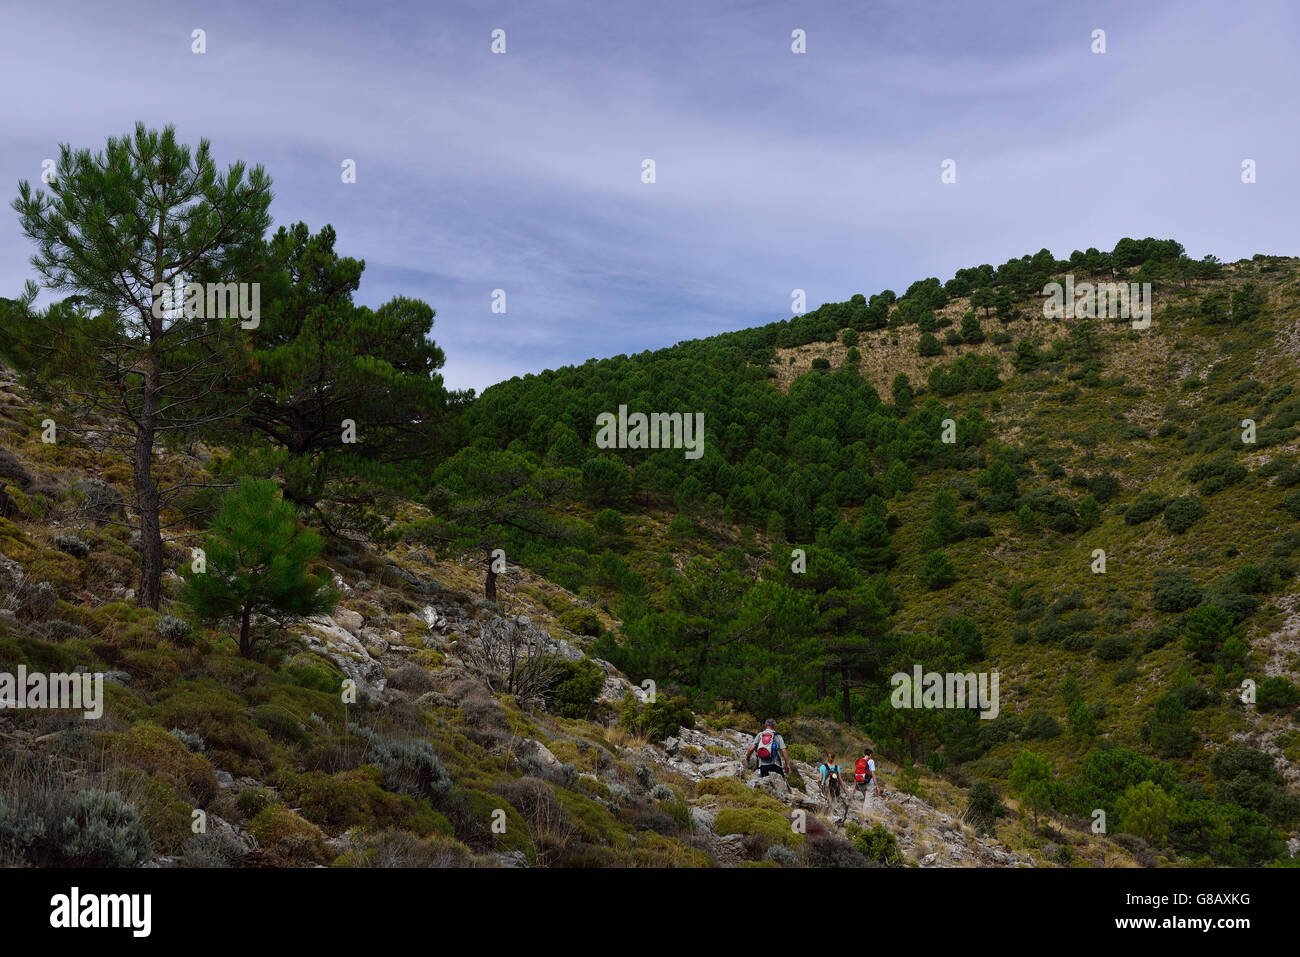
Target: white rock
point(702, 819)
point(347, 652)
point(349, 619)
point(543, 753)
point(721, 769)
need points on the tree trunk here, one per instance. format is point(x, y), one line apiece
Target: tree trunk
point(146, 491)
point(844, 679)
point(490, 582)
point(244, 644)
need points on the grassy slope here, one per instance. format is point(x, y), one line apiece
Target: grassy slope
point(193, 680)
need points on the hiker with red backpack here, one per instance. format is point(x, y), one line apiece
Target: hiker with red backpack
point(864, 777)
point(770, 748)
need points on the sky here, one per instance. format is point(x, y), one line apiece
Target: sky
point(774, 170)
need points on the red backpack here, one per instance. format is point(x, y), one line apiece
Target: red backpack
point(764, 749)
point(861, 771)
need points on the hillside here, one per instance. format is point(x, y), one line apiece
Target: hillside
point(514, 729)
point(412, 774)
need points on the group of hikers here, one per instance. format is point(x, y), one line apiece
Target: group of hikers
point(773, 758)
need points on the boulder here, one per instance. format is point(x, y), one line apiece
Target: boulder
point(12, 469)
point(349, 619)
point(773, 784)
point(422, 585)
point(345, 650)
point(721, 769)
point(702, 819)
point(241, 839)
point(541, 752)
point(374, 642)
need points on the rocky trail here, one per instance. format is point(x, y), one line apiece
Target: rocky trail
point(925, 835)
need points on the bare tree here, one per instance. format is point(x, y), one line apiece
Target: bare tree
point(514, 658)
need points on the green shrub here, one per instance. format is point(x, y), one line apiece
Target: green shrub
point(173, 629)
point(1174, 591)
point(84, 828)
point(580, 621)
point(1114, 648)
point(1169, 728)
point(1147, 811)
point(771, 824)
point(781, 855)
point(1160, 636)
point(1277, 694)
point(1249, 778)
point(1124, 675)
point(577, 685)
point(827, 850)
point(212, 849)
point(937, 572)
point(252, 801)
point(396, 848)
point(876, 844)
point(807, 753)
point(1146, 507)
point(662, 718)
point(1193, 697)
point(1184, 512)
point(357, 798)
point(159, 754)
point(411, 767)
point(1207, 629)
point(285, 834)
point(610, 523)
point(732, 792)
point(1041, 725)
point(984, 807)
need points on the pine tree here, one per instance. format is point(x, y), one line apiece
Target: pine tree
point(119, 229)
point(257, 556)
point(320, 359)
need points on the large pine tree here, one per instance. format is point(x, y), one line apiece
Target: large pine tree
point(118, 229)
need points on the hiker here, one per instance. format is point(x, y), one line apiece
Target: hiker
point(864, 778)
point(830, 771)
point(832, 785)
point(770, 748)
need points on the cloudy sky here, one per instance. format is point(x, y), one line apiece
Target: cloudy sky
point(522, 171)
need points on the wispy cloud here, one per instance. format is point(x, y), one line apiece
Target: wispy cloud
point(775, 170)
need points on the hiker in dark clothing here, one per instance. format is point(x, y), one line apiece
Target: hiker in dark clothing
point(770, 748)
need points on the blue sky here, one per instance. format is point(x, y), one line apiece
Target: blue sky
point(775, 171)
